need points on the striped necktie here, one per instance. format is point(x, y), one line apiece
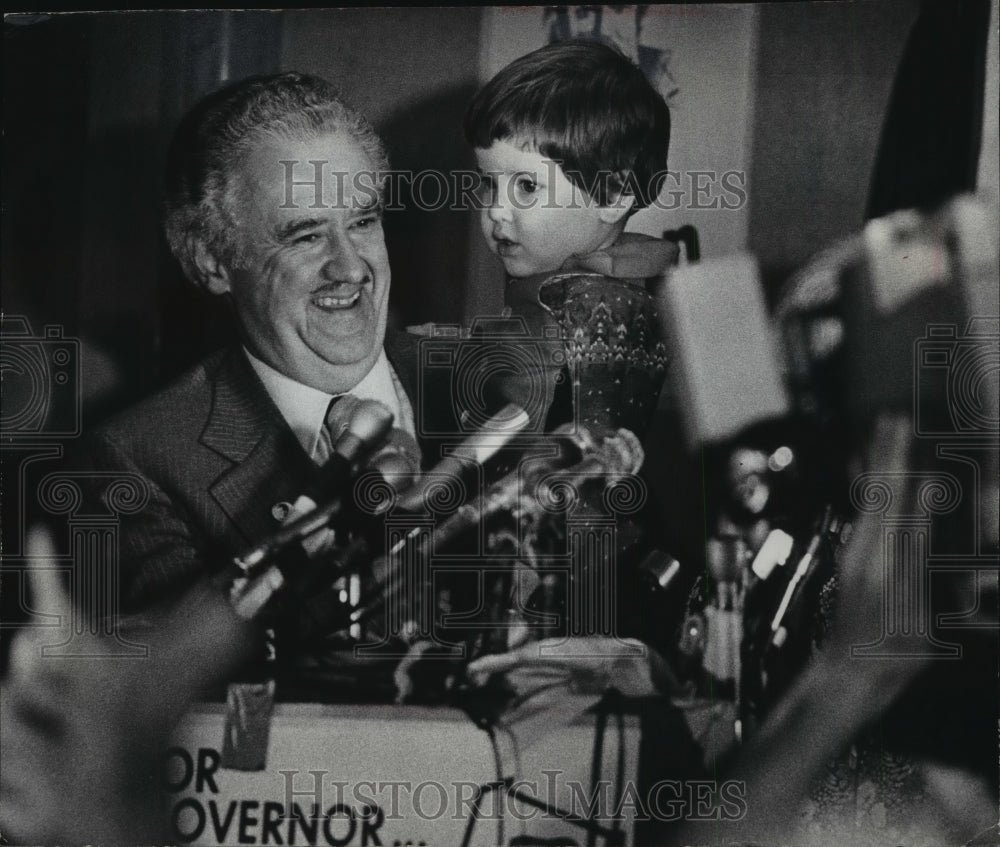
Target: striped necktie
point(338, 417)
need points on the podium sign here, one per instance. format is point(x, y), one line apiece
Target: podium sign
point(365, 776)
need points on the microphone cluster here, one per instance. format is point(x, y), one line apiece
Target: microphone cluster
point(577, 460)
point(368, 442)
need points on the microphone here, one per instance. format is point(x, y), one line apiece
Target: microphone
point(617, 456)
point(792, 597)
point(505, 494)
point(579, 454)
point(478, 448)
point(396, 461)
point(369, 424)
point(252, 585)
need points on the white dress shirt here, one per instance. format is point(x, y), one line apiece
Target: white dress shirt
point(304, 407)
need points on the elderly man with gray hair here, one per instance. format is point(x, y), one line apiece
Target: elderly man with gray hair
point(274, 201)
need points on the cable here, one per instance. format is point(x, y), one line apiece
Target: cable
point(596, 758)
point(500, 781)
point(620, 791)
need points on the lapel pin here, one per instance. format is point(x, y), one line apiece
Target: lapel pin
point(281, 510)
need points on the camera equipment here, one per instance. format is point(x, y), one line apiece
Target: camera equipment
point(900, 318)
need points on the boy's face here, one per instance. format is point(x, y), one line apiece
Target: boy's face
point(535, 218)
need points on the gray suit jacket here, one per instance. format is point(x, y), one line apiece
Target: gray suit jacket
point(215, 457)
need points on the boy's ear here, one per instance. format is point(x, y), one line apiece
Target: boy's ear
point(212, 274)
point(617, 208)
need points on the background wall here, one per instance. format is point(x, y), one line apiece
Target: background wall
point(412, 72)
point(795, 95)
point(824, 76)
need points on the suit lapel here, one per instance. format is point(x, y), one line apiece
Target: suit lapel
point(269, 465)
point(401, 349)
point(429, 393)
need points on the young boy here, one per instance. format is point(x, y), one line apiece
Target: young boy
point(571, 140)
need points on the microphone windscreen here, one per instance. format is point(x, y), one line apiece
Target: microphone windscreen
point(359, 427)
point(623, 453)
point(397, 459)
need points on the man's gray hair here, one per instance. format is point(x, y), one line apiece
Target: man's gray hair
point(223, 128)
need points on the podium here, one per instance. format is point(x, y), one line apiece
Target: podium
point(349, 775)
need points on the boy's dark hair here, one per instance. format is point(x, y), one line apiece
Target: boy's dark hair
point(586, 106)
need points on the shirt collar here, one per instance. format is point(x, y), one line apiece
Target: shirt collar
point(304, 407)
point(380, 384)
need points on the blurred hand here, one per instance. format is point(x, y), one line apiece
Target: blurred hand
point(860, 616)
point(82, 735)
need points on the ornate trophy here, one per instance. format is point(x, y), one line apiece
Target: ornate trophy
point(614, 353)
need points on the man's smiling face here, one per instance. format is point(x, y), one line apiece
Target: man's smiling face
point(310, 285)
